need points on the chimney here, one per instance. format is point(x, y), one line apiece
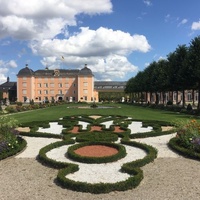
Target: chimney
point(85, 65)
point(8, 79)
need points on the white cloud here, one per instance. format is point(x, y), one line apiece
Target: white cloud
point(100, 42)
point(161, 58)
point(147, 2)
point(113, 67)
point(4, 69)
point(8, 64)
point(167, 17)
point(3, 72)
point(11, 64)
point(103, 49)
point(5, 43)
point(184, 21)
point(196, 25)
point(3, 78)
point(36, 19)
point(146, 64)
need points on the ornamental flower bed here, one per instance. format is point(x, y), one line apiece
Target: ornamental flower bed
point(10, 142)
point(189, 135)
point(90, 173)
point(187, 141)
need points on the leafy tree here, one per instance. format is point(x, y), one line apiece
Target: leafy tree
point(183, 76)
point(194, 63)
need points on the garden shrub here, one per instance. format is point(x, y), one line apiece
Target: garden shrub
point(188, 133)
point(19, 103)
point(189, 107)
point(175, 145)
point(187, 140)
point(10, 142)
point(10, 109)
point(11, 150)
point(169, 103)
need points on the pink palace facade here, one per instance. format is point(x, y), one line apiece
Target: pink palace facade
point(54, 85)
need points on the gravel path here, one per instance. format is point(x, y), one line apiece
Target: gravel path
point(165, 178)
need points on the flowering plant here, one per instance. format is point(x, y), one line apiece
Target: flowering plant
point(188, 134)
point(8, 134)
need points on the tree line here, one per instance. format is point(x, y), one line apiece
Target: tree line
point(180, 71)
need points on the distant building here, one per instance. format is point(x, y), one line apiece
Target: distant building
point(8, 90)
point(54, 85)
point(110, 90)
point(110, 86)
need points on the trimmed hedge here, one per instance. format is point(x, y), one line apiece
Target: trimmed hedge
point(151, 155)
point(50, 162)
point(99, 188)
point(40, 134)
point(175, 145)
point(130, 168)
point(97, 136)
point(150, 134)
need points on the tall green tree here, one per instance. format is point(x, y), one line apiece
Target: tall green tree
point(194, 63)
point(183, 77)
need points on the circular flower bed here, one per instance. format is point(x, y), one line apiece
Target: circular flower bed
point(96, 152)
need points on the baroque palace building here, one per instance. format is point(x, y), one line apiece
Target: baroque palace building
point(56, 85)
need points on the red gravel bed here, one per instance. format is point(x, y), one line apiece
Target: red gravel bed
point(96, 151)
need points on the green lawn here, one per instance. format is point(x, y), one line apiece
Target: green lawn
point(136, 112)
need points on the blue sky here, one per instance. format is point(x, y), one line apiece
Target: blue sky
point(115, 38)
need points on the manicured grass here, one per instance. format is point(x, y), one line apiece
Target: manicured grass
point(136, 112)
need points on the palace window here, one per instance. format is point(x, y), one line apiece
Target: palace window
point(85, 84)
point(24, 84)
point(24, 91)
point(85, 91)
point(189, 96)
point(196, 96)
